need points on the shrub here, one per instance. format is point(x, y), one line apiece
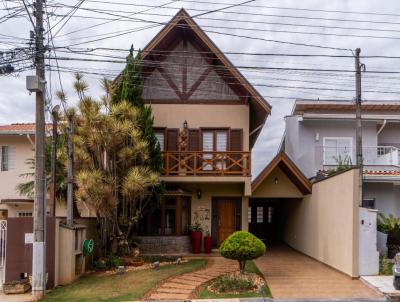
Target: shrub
point(242, 246)
point(228, 283)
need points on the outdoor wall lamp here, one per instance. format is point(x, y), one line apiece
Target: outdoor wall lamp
point(198, 193)
point(276, 180)
point(185, 124)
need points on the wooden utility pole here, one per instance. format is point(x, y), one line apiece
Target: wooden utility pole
point(39, 214)
point(359, 152)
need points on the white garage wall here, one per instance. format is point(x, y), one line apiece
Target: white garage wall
point(324, 225)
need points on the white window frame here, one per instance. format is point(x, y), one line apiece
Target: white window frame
point(161, 133)
point(348, 138)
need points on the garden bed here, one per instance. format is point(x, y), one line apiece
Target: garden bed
point(236, 285)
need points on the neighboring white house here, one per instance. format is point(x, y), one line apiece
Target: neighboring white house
point(17, 144)
point(321, 134)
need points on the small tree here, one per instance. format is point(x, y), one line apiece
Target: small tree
point(242, 246)
point(391, 226)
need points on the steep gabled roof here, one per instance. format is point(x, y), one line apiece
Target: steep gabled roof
point(259, 108)
point(289, 168)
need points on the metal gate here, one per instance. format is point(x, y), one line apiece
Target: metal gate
point(3, 240)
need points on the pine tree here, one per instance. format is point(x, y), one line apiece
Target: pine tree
point(129, 87)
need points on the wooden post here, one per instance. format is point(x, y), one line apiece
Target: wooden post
point(178, 218)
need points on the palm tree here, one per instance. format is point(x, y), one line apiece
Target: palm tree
point(391, 226)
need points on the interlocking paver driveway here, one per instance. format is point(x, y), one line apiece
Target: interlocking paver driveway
point(290, 274)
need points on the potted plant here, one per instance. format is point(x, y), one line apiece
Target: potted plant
point(196, 236)
point(207, 242)
point(390, 226)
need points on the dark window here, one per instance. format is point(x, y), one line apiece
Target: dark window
point(369, 203)
point(4, 158)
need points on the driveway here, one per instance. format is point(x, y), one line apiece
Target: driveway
point(290, 275)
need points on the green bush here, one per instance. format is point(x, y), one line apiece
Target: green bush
point(242, 246)
point(225, 284)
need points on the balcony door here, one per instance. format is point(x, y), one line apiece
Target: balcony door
point(338, 151)
point(214, 141)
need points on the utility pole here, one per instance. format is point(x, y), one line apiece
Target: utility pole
point(39, 215)
point(70, 174)
point(53, 188)
point(359, 126)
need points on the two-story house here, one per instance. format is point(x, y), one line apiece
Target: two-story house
point(320, 135)
point(207, 118)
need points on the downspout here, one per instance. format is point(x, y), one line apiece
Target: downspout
point(28, 136)
point(381, 128)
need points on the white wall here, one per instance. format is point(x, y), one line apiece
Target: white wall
point(368, 255)
point(324, 225)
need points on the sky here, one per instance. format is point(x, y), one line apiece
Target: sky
point(332, 27)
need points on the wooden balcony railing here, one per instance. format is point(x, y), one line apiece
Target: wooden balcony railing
point(202, 163)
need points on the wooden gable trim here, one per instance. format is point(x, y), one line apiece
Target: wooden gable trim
point(182, 15)
point(170, 82)
point(289, 168)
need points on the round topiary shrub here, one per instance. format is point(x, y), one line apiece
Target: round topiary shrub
point(242, 246)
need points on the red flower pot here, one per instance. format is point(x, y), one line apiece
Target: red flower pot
point(196, 242)
point(207, 244)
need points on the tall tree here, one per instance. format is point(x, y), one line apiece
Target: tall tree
point(129, 87)
point(112, 174)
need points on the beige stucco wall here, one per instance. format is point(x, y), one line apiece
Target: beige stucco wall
point(283, 189)
point(203, 115)
point(210, 190)
point(324, 225)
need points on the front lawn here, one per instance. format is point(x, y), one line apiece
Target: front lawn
point(129, 286)
point(251, 267)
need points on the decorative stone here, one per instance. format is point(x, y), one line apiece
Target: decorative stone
point(164, 245)
point(16, 287)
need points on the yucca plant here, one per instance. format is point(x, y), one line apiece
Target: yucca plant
point(390, 225)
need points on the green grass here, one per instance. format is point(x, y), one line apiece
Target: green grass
point(251, 267)
point(129, 286)
point(385, 266)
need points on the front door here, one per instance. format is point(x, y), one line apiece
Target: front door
point(226, 219)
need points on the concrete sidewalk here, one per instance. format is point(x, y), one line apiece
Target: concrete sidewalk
point(15, 298)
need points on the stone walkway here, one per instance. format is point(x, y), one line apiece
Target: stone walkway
point(184, 286)
point(290, 275)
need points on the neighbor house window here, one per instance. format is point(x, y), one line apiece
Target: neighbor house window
point(7, 158)
point(338, 150)
point(24, 214)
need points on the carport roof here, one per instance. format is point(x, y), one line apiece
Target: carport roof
point(283, 161)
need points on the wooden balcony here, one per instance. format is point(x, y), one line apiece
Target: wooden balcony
point(203, 163)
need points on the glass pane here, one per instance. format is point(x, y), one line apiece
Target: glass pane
point(222, 139)
point(4, 158)
point(249, 214)
point(160, 139)
point(170, 218)
point(156, 222)
point(260, 214)
point(208, 143)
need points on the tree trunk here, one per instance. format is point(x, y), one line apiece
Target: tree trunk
point(242, 266)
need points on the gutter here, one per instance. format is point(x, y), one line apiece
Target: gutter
point(381, 128)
